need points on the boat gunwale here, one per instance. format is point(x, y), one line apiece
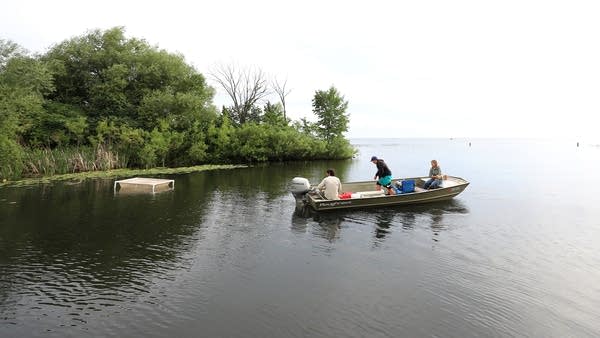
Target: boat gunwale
point(431, 195)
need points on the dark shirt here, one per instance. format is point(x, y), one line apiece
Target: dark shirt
point(382, 169)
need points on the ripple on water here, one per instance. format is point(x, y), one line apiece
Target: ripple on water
point(225, 255)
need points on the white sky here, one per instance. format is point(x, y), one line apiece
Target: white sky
point(408, 68)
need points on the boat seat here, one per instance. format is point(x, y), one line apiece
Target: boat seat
point(374, 193)
point(448, 183)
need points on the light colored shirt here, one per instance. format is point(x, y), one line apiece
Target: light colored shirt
point(332, 187)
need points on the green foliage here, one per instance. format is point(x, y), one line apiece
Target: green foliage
point(76, 128)
point(28, 73)
point(23, 81)
point(273, 115)
point(130, 144)
point(306, 127)
point(103, 101)
point(253, 143)
point(11, 103)
point(220, 140)
point(197, 152)
point(330, 108)
point(9, 50)
point(183, 110)
point(55, 125)
point(44, 161)
point(110, 75)
point(261, 142)
point(161, 141)
point(197, 148)
point(340, 148)
point(11, 165)
point(107, 131)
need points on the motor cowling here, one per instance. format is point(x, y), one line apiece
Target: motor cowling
point(299, 186)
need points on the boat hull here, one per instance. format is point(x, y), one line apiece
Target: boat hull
point(454, 186)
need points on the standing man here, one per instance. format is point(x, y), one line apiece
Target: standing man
point(383, 175)
point(331, 185)
point(435, 176)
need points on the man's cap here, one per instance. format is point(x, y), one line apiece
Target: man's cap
point(373, 158)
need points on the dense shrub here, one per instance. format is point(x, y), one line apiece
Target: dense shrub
point(102, 101)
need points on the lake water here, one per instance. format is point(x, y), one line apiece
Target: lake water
point(225, 254)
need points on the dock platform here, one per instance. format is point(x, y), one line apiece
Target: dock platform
point(143, 184)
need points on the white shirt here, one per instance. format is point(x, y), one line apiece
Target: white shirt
point(332, 187)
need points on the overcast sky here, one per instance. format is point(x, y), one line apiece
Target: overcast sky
point(408, 68)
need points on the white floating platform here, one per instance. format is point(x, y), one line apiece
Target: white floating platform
point(143, 184)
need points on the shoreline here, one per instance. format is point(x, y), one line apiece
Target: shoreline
point(117, 173)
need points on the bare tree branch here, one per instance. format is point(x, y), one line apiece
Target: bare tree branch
point(244, 86)
point(282, 93)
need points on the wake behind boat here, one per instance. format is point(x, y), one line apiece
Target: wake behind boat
point(361, 194)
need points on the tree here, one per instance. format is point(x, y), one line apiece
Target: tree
point(221, 139)
point(23, 82)
point(119, 102)
point(11, 154)
point(10, 151)
point(244, 86)
point(109, 75)
point(106, 85)
point(279, 88)
point(9, 50)
point(330, 108)
point(273, 115)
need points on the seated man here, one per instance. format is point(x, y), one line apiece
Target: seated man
point(331, 185)
point(435, 176)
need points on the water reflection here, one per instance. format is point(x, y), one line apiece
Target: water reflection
point(383, 220)
point(409, 217)
point(407, 220)
point(329, 225)
point(437, 224)
point(226, 245)
point(299, 222)
point(73, 249)
point(273, 179)
point(442, 209)
point(324, 224)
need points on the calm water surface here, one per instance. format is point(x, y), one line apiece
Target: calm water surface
point(225, 254)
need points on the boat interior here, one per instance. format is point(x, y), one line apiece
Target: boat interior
point(366, 189)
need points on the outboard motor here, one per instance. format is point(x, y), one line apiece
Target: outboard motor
point(299, 187)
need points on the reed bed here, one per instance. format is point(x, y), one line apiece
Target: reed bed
point(46, 162)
